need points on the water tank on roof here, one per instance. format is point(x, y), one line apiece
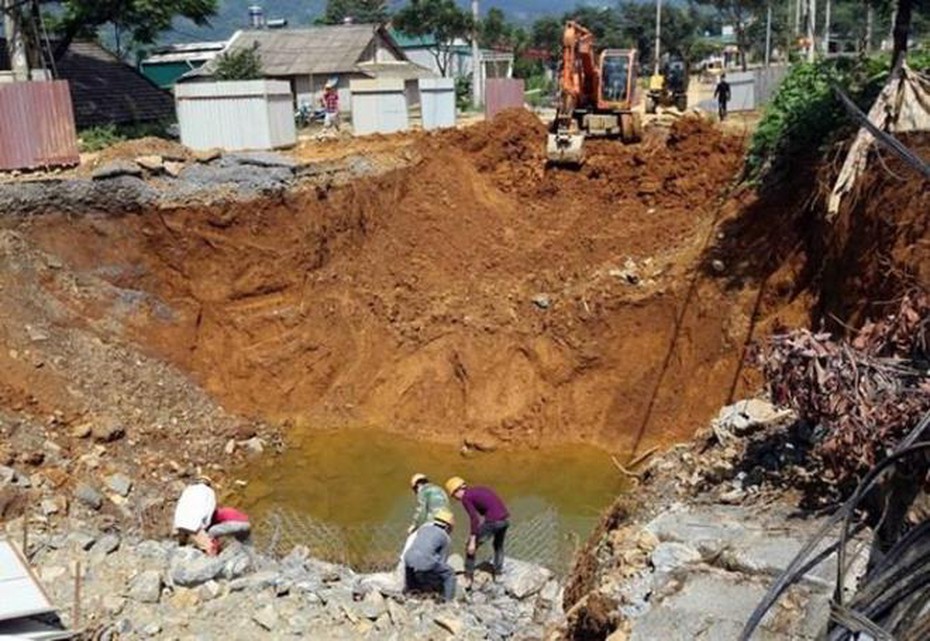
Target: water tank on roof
point(256, 16)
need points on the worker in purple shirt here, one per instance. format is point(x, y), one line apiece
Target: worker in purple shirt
point(489, 520)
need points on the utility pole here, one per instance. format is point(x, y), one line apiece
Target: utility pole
point(811, 31)
point(658, 35)
point(15, 42)
point(768, 36)
point(476, 93)
point(826, 30)
point(869, 26)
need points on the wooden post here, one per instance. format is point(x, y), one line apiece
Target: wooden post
point(76, 606)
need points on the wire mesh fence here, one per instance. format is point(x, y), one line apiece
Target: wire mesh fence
point(544, 539)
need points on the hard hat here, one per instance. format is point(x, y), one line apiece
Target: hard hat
point(454, 484)
point(444, 515)
point(416, 478)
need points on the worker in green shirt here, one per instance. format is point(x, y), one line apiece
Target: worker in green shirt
point(430, 499)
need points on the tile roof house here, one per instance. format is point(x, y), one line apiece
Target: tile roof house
point(106, 90)
point(310, 57)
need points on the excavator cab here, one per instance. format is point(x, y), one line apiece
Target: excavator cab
point(596, 98)
point(618, 72)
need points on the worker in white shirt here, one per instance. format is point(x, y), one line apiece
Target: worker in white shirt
point(194, 514)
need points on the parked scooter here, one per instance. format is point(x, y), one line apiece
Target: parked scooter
point(306, 114)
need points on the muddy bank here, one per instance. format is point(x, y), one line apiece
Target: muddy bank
point(472, 297)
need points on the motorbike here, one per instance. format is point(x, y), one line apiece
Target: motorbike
point(306, 114)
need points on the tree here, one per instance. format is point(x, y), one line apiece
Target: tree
point(546, 34)
point(603, 22)
point(683, 27)
point(494, 31)
point(740, 14)
point(133, 22)
point(243, 64)
point(439, 23)
point(360, 11)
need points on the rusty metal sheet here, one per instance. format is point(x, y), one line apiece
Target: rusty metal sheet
point(502, 93)
point(37, 126)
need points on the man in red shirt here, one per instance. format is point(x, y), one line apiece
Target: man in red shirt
point(331, 106)
point(489, 520)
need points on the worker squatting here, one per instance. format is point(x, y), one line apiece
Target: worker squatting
point(198, 521)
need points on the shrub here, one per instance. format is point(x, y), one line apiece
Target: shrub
point(805, 113)
point(244, 64)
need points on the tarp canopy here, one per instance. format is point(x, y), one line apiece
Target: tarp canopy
point(26, 613)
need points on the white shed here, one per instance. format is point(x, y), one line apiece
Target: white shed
point(379, 106)
point(236, 115)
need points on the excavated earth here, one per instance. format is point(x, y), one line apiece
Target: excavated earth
point(472, 295)
point(445, 286)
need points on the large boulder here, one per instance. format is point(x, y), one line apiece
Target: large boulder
point(190, 567)
point(145, 587)
point(521, 579)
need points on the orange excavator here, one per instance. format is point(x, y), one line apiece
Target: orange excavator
point(596, 97)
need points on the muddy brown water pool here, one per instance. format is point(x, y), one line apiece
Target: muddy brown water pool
point(345, 494)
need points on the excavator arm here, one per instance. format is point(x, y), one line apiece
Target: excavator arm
point(580, 81)
point(582, 108)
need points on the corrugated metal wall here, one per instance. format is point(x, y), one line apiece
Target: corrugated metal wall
point(502, 93)
point(236, 115)
point(742, 90)
point(751, 90)
point(437, 102)
point(379, 106)
point(36, 125)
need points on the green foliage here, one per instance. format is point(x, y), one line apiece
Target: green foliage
point(133, 22)
point(805, 113)
point(103, 136)
point(463, 93)
point(242, 64)
point(494, 30)
point(437, 21)
point(546, 35)
point(97, 138)
point(360, 11)
point(741, 14)
point(540, 91)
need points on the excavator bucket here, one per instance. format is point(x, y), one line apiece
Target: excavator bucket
point(565, 148)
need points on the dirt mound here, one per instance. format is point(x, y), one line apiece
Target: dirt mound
point(879, 246)
point(473, 296)
point(148, 146)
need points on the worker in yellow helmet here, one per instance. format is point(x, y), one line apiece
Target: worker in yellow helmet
point(489, 519)
point(430, 499)
point(426, 566)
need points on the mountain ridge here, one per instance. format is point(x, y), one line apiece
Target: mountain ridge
point(299, 13)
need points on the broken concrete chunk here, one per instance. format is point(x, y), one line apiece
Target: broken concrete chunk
point(88, 496)
point(106, 544)
point(115, 169)
point(267, 617)
point(108, 431)
point(119, 483)
point(146, 587)
point(151, 163)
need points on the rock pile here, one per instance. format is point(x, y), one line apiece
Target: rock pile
point(155, 589)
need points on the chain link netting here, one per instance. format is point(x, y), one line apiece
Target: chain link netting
point(543, 539)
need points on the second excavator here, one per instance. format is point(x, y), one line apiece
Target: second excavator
point(595, 99)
